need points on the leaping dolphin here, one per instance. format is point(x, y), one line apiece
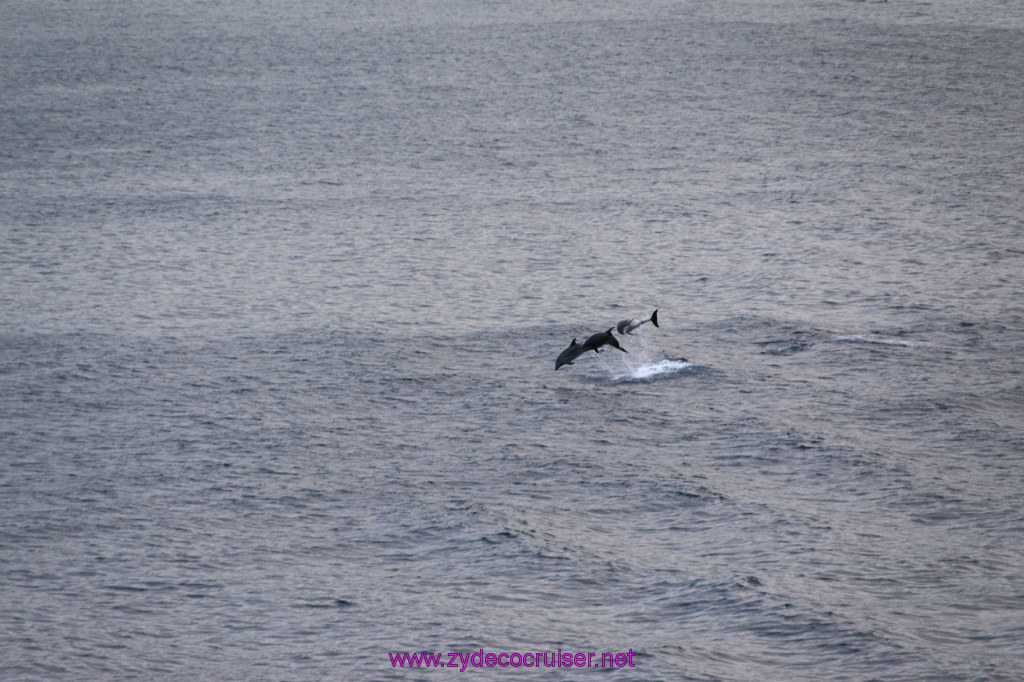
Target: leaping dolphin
point(569, 354)
point(575, 350)
point(627, 326)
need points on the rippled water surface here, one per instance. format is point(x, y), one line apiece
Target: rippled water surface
point(282, 286)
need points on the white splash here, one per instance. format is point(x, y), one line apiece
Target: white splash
point(637, 363)
point(664, 367)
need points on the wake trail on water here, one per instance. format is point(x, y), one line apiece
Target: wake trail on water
point(875, 338)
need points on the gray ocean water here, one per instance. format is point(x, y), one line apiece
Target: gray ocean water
point(282, 285)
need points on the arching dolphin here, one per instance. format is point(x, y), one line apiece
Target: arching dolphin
point(575, 350)
point(627, 326)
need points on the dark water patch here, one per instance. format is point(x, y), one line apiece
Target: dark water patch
point(784, 347)
point(327, 603)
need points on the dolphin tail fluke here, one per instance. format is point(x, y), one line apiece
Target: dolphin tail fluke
point(654, 318)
